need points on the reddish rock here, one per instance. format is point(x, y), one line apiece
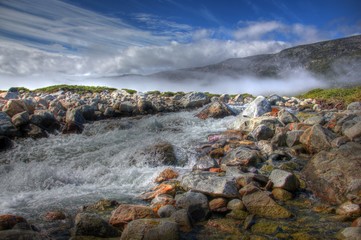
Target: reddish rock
point(14, 106)
point(127, 212)
point(356, 222)
point(160, 201)
point(8, 221)
point(164, 188)
point(349, 209)
point(218, 205)
point(56, 215)
point(217, 170)
point(217, 153)
point(317, 138)
point(166, 174)
point(215, 110)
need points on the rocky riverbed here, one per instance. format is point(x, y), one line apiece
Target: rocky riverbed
point(180, 167)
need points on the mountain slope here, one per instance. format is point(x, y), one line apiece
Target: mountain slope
point(334, 60)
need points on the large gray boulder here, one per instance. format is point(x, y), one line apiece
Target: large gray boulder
point(249, 124)
point(242, 156)
point(74, 121)
point(286, 117)
point(195, 203)
point(354, 132)
point(210, 184)
point(257, 107)
point(45, 119)
point(6, 126)
point(334, 174)
point(194, 100)
point(354, 106)
point(283, 179)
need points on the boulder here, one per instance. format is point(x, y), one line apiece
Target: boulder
point(166, 211)
point(14, 106)
point(259, 203)
point(281, 194)
point(334, 174)
point(9, 95)
point(354, 132)
point(20, 119)
point(293, 137)
point(45, 120)
point(90, 224)
point(235, 204)
point(350, 233)
point(88, 112)
point(74, 121)
point(356, 222)
point(181, 217)
point(127, 212)
point(20, 234)
point(286, 117)
point(274, 99)
point(6, 126)
point(354, 106)
point(205, 163)
point(257, 107)
point(284, 179)
point(194, 100)
point(166, 175)
point(218, 205)
point(242, 156)
point(317, 138)
point(247, 124)
point(151, 229)
point(216, 109)
point(262, 132)
point(195, 203)
point(34, 131)
point(315, 120)
point(162, 200)
point(349, 209)
point(210, 184)
point(54, 215)
point(5, 143)
point(8, 221)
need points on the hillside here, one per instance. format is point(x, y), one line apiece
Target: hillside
point(335, 61)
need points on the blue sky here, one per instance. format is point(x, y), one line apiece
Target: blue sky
point(110, 37)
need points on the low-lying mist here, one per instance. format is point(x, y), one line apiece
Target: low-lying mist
point(291, 83)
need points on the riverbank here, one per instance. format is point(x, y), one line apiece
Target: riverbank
point(286, 168)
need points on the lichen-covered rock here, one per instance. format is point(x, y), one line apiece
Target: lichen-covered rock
point(261, 204)
point(293, 137)
point(151, 229)
point(281, 194)
point(90, 224)
point(216, 109)
point(235, 204)
point(257, 108)
point(317, 138)
point(284, 179)
point(331, 177)
point(54, 215)
point(210, 184)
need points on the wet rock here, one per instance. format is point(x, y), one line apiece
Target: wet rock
point(259, 203)
point(14, 106)
point(350, 233)
point(8, 221)
point(354, 106)
point(235, 204)
point(6, 126)
point(35, 132)
point(53, 216)
point(216, 109)
point(293, 137)
point(166, 211)
point(286, 117)
point(238, 214)
point(349, 209)
point(195, 203)
point(102, 205)
point(242, 156)
point(181, 217)
point(218, 205)
point(109, 112)
point(281, 194)
point(127, 212)
point(317, 138)
point(45, 120)
point(88, 112)
point(330, 177)
point(262, 132)
point(5, 143)
point(168, 187)
point(90, 224)
point(20, 119)
point(205, 163)
point(354, 132)
point(356, 222)
point(194, 100)
point(257, 107)
point(283, 179)
point(166, 175)
point(264, 226)
point(210, 184)
point(151, 229)
point(74, 121)
point(162, 200)
point(18, 234)
point(159, 154)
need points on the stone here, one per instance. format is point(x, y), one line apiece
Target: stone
point(161, 200)
point(286, 117)
point(316, 139)
point(166, 211)
point(210, 184)
point(315, 120)
point(55, 215)
point(218, 205)
point(14, 106)
point(238, 214)
point(354, 106)
point(194, 100)
point(151, 229)
point(246, 124)
point(20, 119)
point(196, 205)
point(6, 126)
point(356, 222)
point(354, 132)
point(266, 147)
point(242, 156)
point(205, 163)
point(281, 194)
point(264, 226)
point(8, 221)
point(45, 120)
point(5, 143)
point(35, 132)
point(293, 137)
point(74, 121)
point(158, 154)
point(166, 175)
point(283, 179)
point(334, 174)
point(127, 212)
point(274, 99)
point(163, 188)
point(90, 224)
point(259, 203)
point(9, 95)
point(88, 112)
point(181, 217)
point(235, 204)
point(216, 109)
point(349, 209)
point(102, 205)
point(257, 107)
point(350, 233)
point(19, 234)
point(262, 132)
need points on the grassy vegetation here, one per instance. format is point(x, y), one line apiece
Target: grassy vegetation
point(345, 95)
point(130, 91)
point(74, 88)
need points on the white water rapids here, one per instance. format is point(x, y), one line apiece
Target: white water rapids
point(64, 172)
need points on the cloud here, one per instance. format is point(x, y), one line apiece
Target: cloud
point(256, 30)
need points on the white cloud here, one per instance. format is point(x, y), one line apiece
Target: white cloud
point(255, 30)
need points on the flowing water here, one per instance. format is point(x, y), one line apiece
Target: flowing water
point(67, 171)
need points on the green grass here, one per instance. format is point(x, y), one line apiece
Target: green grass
point(345, 95)
point(74, 88)
point(130, 91)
